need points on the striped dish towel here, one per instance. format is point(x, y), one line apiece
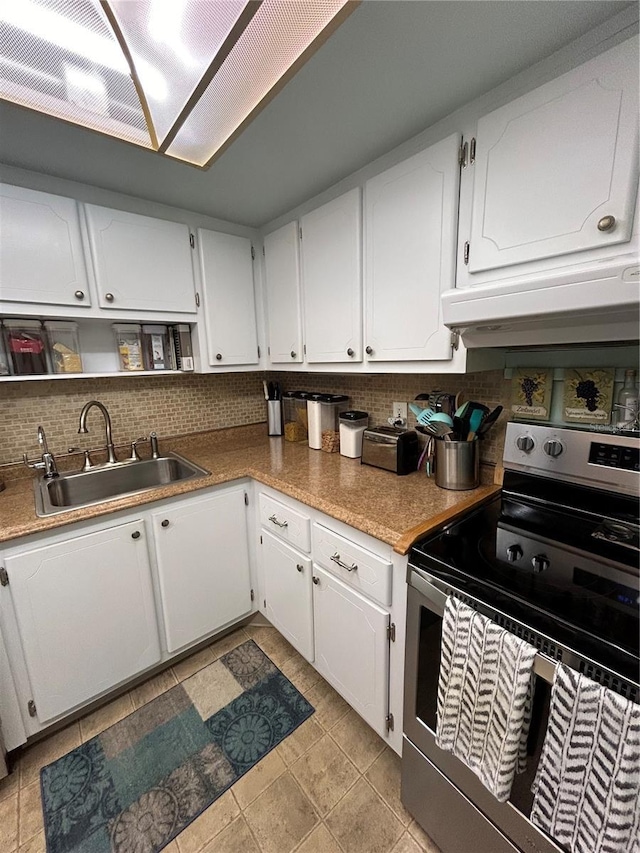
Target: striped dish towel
point(587, 788)
point(484, 696)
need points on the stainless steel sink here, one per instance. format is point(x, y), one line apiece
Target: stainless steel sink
point(109, 482)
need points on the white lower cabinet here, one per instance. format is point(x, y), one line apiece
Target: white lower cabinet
point(288, 593)
point(85, 614)
point(352, 647)
point(203, 566)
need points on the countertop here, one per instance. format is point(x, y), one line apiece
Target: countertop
point(396, 510)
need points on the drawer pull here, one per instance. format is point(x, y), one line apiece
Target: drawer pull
point(336, 559)
point(275, 521)
point(299, 567)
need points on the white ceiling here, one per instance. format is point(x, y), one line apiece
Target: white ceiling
point(391, 70)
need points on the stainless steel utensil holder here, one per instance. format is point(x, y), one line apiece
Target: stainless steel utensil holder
point(457, 464)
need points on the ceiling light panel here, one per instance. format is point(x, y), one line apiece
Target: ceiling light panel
point(274, 39)
point(61, 57)
point(172, 43)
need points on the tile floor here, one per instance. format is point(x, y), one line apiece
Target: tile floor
point(332, 786)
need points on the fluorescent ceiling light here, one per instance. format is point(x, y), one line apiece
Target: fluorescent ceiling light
point(182, 77)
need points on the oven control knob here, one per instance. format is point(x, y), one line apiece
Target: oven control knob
point(540, 563)
point(525, 443)
point(552, 447)
point(514, 553)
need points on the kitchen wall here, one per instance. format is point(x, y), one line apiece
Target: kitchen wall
point(173, 405)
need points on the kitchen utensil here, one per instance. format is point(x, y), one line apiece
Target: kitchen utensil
point(475, 420)
point(489, 421)
point(436, 428)
point(266, 389)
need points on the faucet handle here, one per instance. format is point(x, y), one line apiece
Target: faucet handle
point(37, 466)
point(135, 456)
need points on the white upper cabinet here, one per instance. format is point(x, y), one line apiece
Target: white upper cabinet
point(556, 170)
point(141, 263)
point(282, 274)
point(332, 280)
point(410, 232)
point(41, 255)
point(226, 265)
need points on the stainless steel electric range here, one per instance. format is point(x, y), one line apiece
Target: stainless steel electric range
point(553, 559)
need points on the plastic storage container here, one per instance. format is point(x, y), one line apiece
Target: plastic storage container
point(352, 427)
point(295, 415)
point(26, 346)
point(156, 352)
point(64, 346)
point(324, 427)
point(129, 344)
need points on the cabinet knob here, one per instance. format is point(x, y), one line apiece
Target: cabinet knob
point(135, 534)
point(293, 353)
point(607, 223)
point(218, 356)
point(299, 567)
point(164, 522)
point(350, 352)
point(109, 297)
point(316, 580)
point(79, 294)
point(369, 350)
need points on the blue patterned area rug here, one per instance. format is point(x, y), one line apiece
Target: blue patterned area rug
point(137, 785)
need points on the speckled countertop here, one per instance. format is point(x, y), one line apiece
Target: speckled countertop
point(396, 510)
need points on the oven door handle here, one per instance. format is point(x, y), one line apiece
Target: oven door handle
point(543, 666)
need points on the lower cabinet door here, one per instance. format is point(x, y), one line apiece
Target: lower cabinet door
point(85, 614)
point(287, 583)
point(203, 566)
point(352, 647)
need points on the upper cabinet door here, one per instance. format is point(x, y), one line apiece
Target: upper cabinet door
point(556, 170)
point(282, 274)
point(230, 309)
point(410, 232)
point(141, 263)
point(41, 256)
point(332, 280)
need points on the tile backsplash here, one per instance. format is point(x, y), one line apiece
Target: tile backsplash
point(175, 405)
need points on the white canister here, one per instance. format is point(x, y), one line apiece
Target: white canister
point(352, 427)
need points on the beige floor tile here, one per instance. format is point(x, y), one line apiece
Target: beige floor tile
point(362, 823)
point(35, 757)
point(320, 841)
point(95, 723)
point(212, 688)
point(153, 688)
point(330, 706)
point(299, 741)
point(9, 824)
point(236, 838)
point(384, 775)
point(184, 668)
point(211, 822)
point(361, 744)
point(30, 812)
point(272, 643)
point(300, 673)
point(37, 844)
point(258, 779)
point(325, 774)
point(281, 816)
point(221, 647)
point(407, 844)
point(9, 785)
point(426, 844)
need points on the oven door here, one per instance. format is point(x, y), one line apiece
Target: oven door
point(445, 797)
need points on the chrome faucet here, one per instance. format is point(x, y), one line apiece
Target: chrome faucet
point(82, 427)
point(48, 462)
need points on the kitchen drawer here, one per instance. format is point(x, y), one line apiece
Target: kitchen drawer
point(366, 572)
point(287, 523)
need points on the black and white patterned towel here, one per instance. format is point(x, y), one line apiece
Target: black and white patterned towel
point(484, 696)
point(587, 788)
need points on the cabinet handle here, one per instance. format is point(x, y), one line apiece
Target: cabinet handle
point(293, 353)
point(164, 522)
point(275, 521)
point(109, 297)
point(607, 223)
point(336, 559)
point(350, 352)
point(135, 534)
point(369, 350)
point(79, 294)
point(316, 580)
point(300, 568)
point(219, 356)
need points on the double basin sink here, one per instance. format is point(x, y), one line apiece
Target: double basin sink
point(110, 482)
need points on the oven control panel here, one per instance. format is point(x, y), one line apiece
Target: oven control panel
point(599, 459)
